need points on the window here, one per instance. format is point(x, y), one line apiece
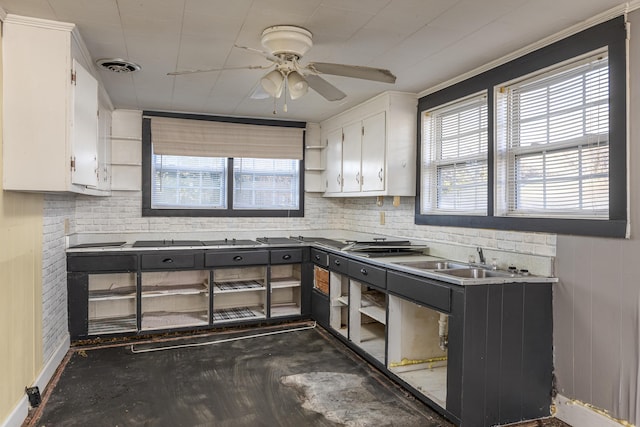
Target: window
point(198, 166)
point(553, 142)
point(556, 142)
point(454, 163)
point(183, 182)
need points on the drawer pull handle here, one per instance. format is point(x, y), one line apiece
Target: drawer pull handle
point(336, 262)
point(317, 257)
point(287, 256)
point(237, 258)
point(167, 260)
point(363, 271)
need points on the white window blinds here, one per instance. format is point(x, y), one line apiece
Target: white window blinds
point(553, 142)
point(454, 158)
point(202, 138)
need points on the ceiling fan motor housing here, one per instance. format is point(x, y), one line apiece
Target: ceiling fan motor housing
point(287, 39)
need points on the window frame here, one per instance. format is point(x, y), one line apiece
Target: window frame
point(229, 211)
point(611, 35)
point(436, 163)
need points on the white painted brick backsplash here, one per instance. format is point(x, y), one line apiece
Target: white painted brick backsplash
point(57, 208)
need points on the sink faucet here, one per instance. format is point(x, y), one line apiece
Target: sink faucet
point(481, 255)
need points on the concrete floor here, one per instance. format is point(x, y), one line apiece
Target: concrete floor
point(300, 378)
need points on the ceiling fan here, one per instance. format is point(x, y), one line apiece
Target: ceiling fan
point(286, 45)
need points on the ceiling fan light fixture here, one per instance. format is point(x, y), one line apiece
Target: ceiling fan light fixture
point(272, 83)
point(287, 39)
point(298, 86)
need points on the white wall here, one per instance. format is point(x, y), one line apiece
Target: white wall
point(597, 302)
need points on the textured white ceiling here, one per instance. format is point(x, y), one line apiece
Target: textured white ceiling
point(423, 42)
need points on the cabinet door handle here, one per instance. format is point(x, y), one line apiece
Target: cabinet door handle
point(380, 174)
point(167, 260)
point(358, 177)
point(237, 258)
point(363, 271)
point(287, 256)
point(339, 182)
point(336, 262)
point(317, 257)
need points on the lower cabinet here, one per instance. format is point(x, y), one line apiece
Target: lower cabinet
point(174, 299)
point(239, 294)
point(418, 347)
point(368, 319)
point(112, 303)
point(170, 290)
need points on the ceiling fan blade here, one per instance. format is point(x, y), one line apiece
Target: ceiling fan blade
point(355, 71)
point(267, 55)
point(324, 88)
point(208, 70)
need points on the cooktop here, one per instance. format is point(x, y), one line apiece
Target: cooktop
point(161, 243)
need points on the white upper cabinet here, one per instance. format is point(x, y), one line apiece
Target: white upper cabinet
point(371, 148)
point(53, 137)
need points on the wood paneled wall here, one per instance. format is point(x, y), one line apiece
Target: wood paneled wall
point(20, 292)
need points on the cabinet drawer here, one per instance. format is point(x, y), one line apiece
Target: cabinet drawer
point(367, 273)
point(233, 258)
point(338, 263)
point(423, 291)
point(286, 256)
point(170, 261)
point(102, 263)
point(319, 257)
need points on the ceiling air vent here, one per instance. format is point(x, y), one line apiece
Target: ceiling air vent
point(118, 65)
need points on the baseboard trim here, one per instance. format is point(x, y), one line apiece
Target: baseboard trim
point(21, 411)
point(52, 364)
point(578, 414)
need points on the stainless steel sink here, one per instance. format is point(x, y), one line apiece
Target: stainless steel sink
point(431, 265)
point(474, 273)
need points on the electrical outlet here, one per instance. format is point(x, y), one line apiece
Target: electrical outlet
point(67, 226)
point(382, 218)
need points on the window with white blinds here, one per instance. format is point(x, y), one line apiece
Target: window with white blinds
point(553, 142)
point(266, 184)
point(188, 182)
point(202, 167)
point(454, 158)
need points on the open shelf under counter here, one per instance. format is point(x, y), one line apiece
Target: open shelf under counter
point(375, 312)
point(233, 286)
point(234, 314)
point(112, 325)
point(285, 282)
point(342, 300)
point(152, 320)
point(150, 291)
point(285, 309)
point(372, 339)
point(110, 295)
point(429, 379)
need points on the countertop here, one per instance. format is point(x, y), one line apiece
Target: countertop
point(387, 262)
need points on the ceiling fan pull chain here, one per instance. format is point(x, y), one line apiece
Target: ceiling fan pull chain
point(286, 90)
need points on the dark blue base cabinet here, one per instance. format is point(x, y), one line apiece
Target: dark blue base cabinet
point(500, 356)
point(496, 364)
point(128, 293)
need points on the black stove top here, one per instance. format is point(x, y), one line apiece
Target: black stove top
point(277, 240)
point(229, 242)
point(163, 243)
point(98, 245)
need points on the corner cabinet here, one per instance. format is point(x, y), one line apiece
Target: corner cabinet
point(49, 80)
point(371, 149)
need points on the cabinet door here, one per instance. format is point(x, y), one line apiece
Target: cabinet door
point(351, 157)
point(84, 131)
point(373, 152)
point(334, 162)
